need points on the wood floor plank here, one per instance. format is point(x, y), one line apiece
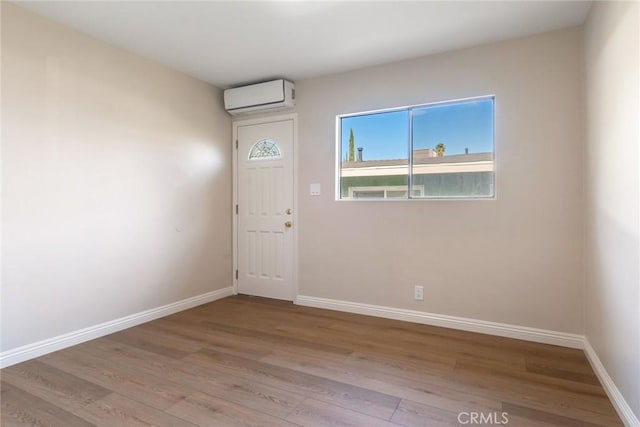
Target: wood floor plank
point(426, 388)
point(59, 388)
point(417, 415)
point(588, 406)
point(348, 396)
point(204, 410)
point(280, 339)
point(563, 373)
point(254, 395)
point(20, 408)
point(399, 365)
point(562, 387)
point(380, 343)
point(522, 412)
point(320, 414)
point(426, 336)
point(575, 364)
point(162, 343)
point(117, 410)
point(213, 338)
point(151, 390)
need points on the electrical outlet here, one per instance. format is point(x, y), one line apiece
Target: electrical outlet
point(418, 293)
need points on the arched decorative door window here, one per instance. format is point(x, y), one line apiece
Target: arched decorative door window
point(264, 149)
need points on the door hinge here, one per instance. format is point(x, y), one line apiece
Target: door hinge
point(236, 144)
point(236, 274)
point(236, 209)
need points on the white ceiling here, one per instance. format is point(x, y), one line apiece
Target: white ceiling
point(231, 43)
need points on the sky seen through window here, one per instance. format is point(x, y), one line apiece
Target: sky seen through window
point(458, 126)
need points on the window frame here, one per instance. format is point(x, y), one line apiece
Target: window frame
point(410, 184)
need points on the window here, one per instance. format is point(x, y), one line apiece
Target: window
point(264, 149)
point(443, 150)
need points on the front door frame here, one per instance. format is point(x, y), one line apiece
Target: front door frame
point(234, 141)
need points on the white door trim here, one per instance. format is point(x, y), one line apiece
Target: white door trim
point(295, 229)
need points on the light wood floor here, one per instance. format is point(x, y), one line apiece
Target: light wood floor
point(253, 361)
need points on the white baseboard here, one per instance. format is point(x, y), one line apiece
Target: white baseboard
point(30, 351)
point(445, 321)
point(619, 402)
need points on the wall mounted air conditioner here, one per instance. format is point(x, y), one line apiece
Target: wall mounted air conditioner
point(261, 97)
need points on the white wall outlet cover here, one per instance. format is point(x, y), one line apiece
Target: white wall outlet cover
point(314, 189)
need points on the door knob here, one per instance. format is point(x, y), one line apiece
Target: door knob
point(288, 224)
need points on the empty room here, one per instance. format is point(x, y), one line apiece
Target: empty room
point(320, 213)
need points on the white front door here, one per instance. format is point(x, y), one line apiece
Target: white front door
point(265, 209)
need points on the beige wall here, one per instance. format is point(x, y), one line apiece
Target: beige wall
point(116, 182)
point(516, 259)
point(612, 309)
